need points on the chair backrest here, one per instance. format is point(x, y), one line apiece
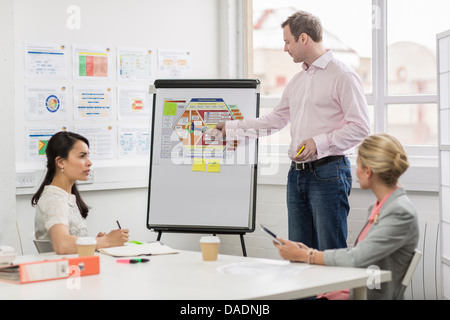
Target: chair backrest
point(43, 246)
point(409, 273)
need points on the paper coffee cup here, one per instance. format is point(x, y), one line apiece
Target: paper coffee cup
point(210, 247)
point(86, 246)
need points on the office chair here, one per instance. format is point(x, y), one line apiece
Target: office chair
point(42, 246)
point(409, 273)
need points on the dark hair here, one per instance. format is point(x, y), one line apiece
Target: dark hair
point(304, 22)
point(60, 145)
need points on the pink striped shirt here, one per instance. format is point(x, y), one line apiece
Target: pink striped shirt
point(325, 102)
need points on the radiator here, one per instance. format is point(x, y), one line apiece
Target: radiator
point(426, 281)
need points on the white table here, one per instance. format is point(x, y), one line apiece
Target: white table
point(184, 276)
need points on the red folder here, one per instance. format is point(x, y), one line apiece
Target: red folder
point(50, 269)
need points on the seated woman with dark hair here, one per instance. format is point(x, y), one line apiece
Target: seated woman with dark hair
point(60, 211)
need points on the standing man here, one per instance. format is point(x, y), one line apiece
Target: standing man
point(327, 109)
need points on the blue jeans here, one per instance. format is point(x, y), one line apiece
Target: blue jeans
point(318, 206)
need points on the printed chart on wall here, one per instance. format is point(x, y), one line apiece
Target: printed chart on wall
point(46, 102)
point(134, 64)
point(45, 60)
point(37, 140)
point(91, 62)
point(219, 173)
point(92, 102)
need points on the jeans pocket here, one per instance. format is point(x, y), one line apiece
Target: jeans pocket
point(327, 172)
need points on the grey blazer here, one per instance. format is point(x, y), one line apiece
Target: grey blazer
point(389, 245)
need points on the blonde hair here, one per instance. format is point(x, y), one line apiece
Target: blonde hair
point(385, 155)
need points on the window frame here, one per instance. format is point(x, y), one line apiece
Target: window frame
point(381, 100)
point(422, 157)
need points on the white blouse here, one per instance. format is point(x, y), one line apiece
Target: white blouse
point(56, 206)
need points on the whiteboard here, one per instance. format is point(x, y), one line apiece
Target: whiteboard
point(186, 193)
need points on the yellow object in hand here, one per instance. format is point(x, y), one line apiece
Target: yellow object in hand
point(300, 151)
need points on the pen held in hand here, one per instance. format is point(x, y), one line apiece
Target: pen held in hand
point(118, 224)
point(301, 150)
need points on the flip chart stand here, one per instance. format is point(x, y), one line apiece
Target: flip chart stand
point(183, 201)
point(241, 236)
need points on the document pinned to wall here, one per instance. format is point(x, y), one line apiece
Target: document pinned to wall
point(134, 102)
point(134, 64)
point(101, 142)
point(37, 140)
point(91, 62)
point(46, 102)
point(174, 64)
point(92, 102)
point(134, 142)
point(45, 60)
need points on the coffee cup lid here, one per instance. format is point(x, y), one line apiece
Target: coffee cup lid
point(210, 239)
point(85, 241)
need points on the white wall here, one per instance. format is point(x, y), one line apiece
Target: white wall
point(8, 234)
point(170, 24)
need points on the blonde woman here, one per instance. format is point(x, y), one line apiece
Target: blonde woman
point(390, 236)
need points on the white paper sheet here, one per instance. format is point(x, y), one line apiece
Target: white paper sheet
point(100, 136)
point(134, 102)
point(45, 60)
point(92, 102)
point(134, 64)
point(174, 64)
point(133, 142)
point(46, 102)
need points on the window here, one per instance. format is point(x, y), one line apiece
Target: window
point(412, 26)
point(351, 45)
point(390, 44)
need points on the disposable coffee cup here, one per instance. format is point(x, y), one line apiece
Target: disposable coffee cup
point(86, 246)
point(210, 248)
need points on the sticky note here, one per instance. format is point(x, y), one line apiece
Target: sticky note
point(198, 164)
point(170, 109)
point(213, 165)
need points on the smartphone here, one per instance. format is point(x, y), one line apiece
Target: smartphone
point(270, 233)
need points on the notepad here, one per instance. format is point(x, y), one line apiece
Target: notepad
point(146, 249)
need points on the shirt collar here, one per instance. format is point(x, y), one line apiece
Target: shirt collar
point(321, 62)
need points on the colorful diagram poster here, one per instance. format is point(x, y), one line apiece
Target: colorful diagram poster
point(92, 102)
point(45, 60)
point(37, 140)
point(134, 64)
point(91, 62)
point(186, 125)
point(133, 142)
point(134, 102)
point(46, 102)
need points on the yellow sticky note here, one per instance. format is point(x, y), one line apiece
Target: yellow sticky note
point(213, 165)
point(198, 164)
